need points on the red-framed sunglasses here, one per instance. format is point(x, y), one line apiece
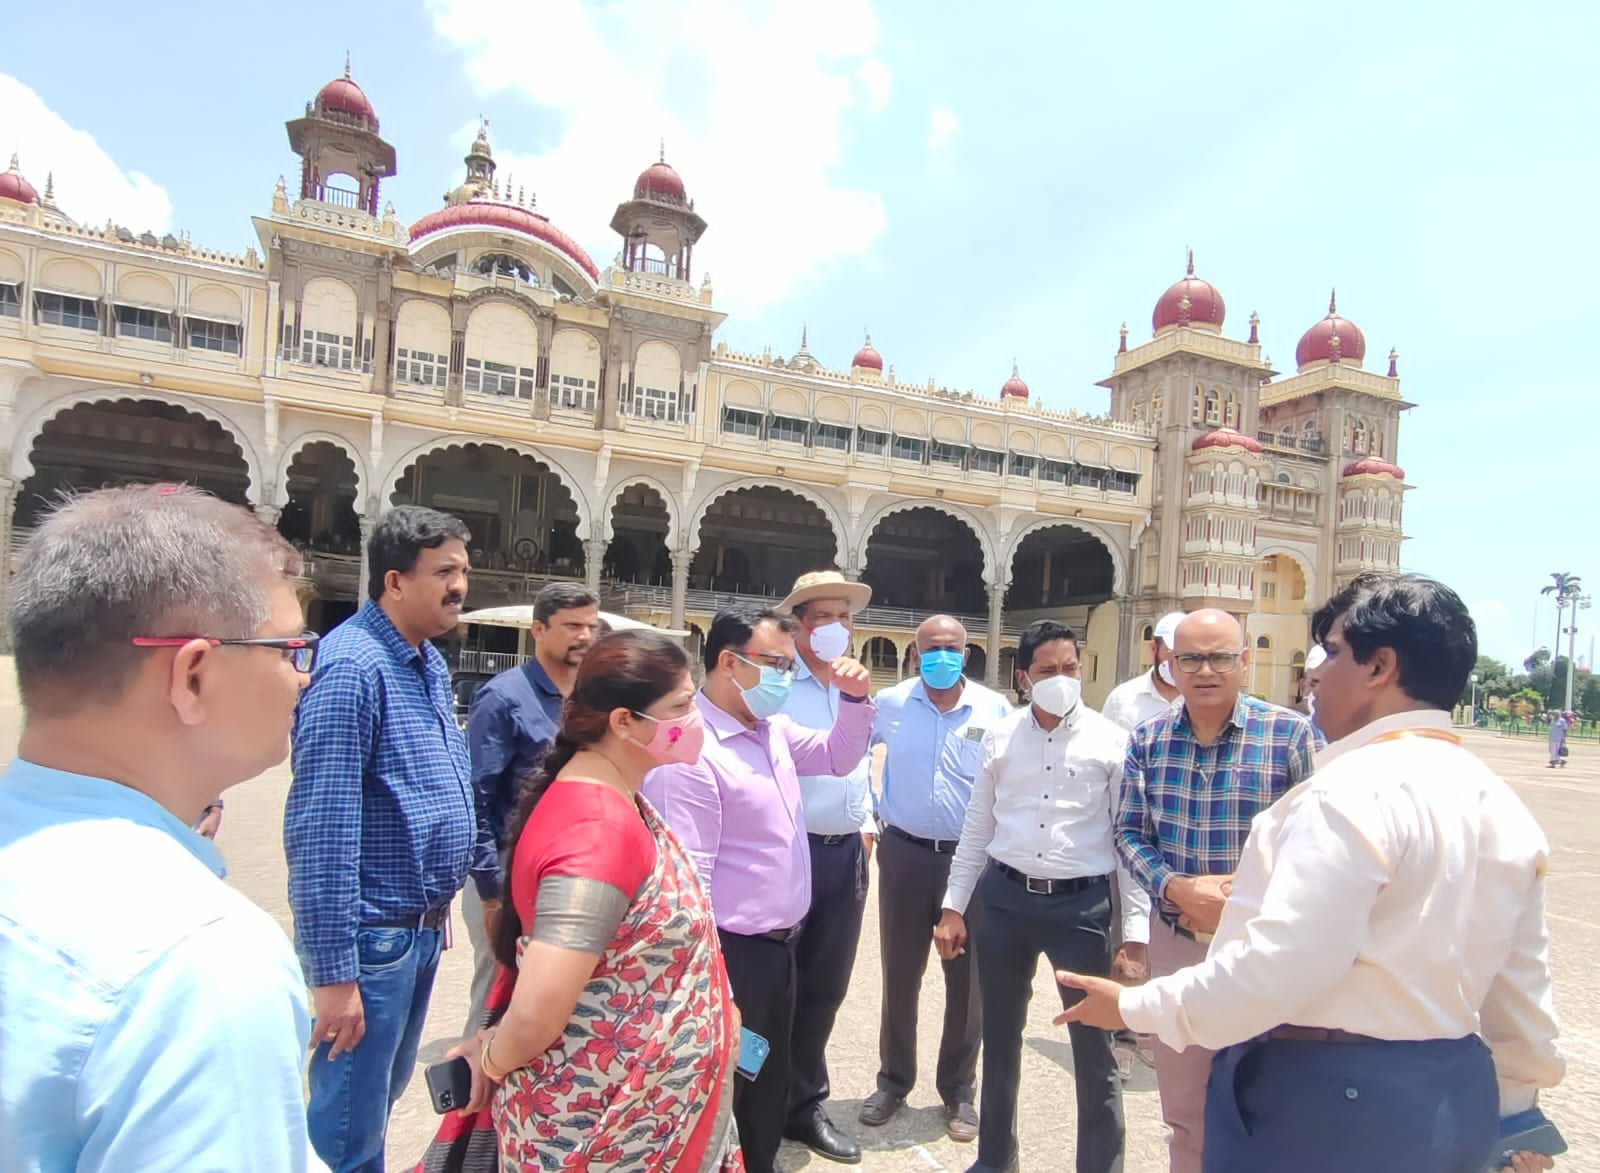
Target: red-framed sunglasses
point(300, 650)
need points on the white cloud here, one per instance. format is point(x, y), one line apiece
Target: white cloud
point(752, 105)
point(942, 127)
point(89, 186)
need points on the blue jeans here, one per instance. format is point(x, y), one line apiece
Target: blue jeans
point(351, 1096)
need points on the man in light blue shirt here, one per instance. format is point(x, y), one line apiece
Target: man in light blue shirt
point(932, 727)
point(150, 1016)
point(839, 828)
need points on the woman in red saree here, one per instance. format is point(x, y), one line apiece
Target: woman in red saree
point(617, 1047)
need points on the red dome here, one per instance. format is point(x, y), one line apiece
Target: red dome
point(1226, 438)
point(1375, 468)
point(659, 181)
point(867, 357)
point(1014, 387)
point(343, 96)
point(14, 187)
point(1317, 343)
point(1204, 304)
point(509, 219)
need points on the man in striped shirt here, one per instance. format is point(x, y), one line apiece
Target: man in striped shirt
point(1194, 779)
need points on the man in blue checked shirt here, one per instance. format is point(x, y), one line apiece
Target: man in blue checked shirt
point(379, 830)
point(1194, 779)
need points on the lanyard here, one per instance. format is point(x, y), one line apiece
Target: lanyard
point(1432, 734)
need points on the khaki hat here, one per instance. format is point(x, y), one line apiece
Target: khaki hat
point(827, 584)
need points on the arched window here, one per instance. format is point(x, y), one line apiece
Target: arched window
point(1359, 441)
point(1231, 417)
point(1196, 409)
point(1213, 408)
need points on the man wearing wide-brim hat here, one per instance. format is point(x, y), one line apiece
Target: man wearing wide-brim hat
point(840, 829)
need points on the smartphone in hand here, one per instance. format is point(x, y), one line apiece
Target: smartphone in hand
point(752, 1053)
point(1526, 1132)
point(449, 1085)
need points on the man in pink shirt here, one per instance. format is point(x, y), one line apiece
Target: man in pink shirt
point(738, 813)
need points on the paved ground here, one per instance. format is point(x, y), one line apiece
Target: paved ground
point(1567, 802)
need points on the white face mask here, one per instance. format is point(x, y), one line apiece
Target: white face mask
point(1164, 670)
point(830, 641)
point(1056, 695)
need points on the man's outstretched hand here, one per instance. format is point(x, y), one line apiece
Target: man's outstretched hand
point(1099, 1004)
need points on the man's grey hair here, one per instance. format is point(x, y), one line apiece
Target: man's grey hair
point(143, 560)
point(561, 596)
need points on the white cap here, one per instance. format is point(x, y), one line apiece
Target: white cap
point(1167, 628)
point(1315, 658)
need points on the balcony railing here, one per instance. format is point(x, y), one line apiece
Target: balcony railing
point(1311, 444)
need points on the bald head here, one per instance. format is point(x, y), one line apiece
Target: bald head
point(941, 631)
point(1208, 630)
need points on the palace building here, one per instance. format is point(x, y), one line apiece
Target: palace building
point(585, 422)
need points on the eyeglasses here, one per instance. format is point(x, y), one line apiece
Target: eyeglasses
point(768, 660)
point(1190, 662)
point(300, 650)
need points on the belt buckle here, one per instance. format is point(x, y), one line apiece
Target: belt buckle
point(1028, 882)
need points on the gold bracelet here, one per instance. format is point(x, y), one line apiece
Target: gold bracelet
point(486, 1065)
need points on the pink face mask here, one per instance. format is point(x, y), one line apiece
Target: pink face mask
point(677, 740)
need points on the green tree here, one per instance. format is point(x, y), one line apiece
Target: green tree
point(1494, 679)
point(1588, 701)
point(1539, 659)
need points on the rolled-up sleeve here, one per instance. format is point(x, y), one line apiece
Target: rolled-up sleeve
point(336, 728)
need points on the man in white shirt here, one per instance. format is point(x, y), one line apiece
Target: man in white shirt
point(839, 831)
point(1149, 694)
point(1383, 956)
point(1037, 852)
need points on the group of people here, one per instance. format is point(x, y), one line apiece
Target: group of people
point(665, 881)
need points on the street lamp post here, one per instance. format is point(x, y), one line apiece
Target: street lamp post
point(1472, 709)
point(1577, 602)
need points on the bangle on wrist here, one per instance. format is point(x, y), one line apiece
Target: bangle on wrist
point(486, 1065)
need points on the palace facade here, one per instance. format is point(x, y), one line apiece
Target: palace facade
point(586, 423)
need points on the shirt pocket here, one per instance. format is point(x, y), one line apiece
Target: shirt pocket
point(961, 755)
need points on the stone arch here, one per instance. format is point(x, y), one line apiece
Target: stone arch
point(619, 485)
point(320, 516)
point(1298, 557)
point(830, 511)
point(33, 424)
point(858, 545)
point(291, 449)
point(1119, 568)
point(391, 477)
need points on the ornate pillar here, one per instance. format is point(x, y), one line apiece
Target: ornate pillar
point(851, 573)
point(8, 500)
point(269, 514)
point(997, 598)
point(681, 561)
point(594, 556)
point(367, 524)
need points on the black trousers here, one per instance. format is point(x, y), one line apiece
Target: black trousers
point(911, 885)
point(825, 953)
point(762, 974)
point(1072, 929)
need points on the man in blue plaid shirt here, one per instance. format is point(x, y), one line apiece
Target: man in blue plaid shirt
point(379, 829)
point(1194, 779)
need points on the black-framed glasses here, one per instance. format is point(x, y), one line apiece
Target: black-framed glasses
point(300, 650)
point(768, 660)
point(1190, 662)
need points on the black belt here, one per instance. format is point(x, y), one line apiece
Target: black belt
point(1317, 1034)
point(781, 936)
point(831, 840)
point(1172, 923)
point(938, 846)
point(1043, 887)
point(431, 919)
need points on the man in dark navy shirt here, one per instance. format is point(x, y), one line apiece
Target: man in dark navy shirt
point(512, 722)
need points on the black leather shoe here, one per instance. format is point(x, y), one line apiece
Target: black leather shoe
point(820, 1136)
point(879, 1108)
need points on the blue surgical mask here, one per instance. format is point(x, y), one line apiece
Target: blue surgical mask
point(768, 696)
point(941, 667)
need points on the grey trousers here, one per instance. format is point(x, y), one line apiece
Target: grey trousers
point(483, 962)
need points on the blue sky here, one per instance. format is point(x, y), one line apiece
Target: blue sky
point(971, 190)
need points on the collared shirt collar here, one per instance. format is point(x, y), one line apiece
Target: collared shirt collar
point(1372, 730)
point(379, 623)
point(721, 722)
point(107, 799)
point(539, 678)
point(1235, 721)
point(1068, 722)
point(919, 691)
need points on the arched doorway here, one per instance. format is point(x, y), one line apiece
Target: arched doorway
point(320, 513)
point(925, 560)
point(758, 540)
point(1060, 566)
point(523, 519)
point(127, 442)
point(638, 550)
point(977, 662)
